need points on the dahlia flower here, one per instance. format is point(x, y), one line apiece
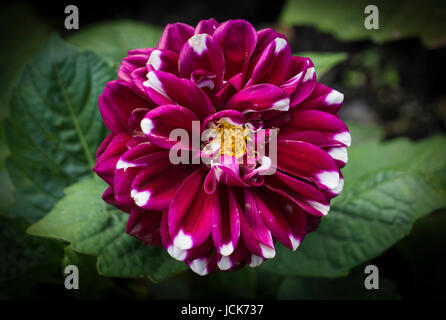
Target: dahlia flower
point(227, 77)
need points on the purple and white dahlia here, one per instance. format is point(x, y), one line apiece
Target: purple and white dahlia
point(222, 203)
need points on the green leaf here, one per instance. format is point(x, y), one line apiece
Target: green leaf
point(324, 61)
point(55, 126)
point(348, 288)
point(94, 228)
point(19, 44)
point(112, 40)
point(397, 19)
point(364, 133)
point(387, 188)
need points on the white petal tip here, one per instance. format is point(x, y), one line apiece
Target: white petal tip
point(183, 241)
point(322, 208)
point(200, 266)
point(155, 59)
point(177, 253)
point(140, 198)
point(329, 179)
point(280, 44)
point(339, 187)
point(224, 263)
point(294, 242)
point(255, 261)
point(334, 97)
point(309, 74)
point(198, 43)
point(339, 153)
point(226, 249)
point(146, 125)
point(282, 105)
point(344, 137)
point(267, 252)
point(121, 164)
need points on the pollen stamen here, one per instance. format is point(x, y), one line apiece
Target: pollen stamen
point(232, 138)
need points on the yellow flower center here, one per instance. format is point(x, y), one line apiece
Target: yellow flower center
point(231, 138)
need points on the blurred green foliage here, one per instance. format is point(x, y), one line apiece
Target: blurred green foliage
point(397, 19)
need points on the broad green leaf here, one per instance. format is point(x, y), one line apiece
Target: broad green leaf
point(112, 40)
point(397, 19)
point(425, 157)
point(18, 44)
point(347, 288)
point(364, 133)
point(324, 61)
point(94, 228)
point(55, 126)
point(388, 187)
point(17, 48)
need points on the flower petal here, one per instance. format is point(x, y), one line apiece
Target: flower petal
point(144, 225)
point(273, 218)
point(235, 260)
point(323, 98)
point(260, 97)
point(339, 154)
point(163, 60)
point(309, 162)
point(319, 121)
point(206, 26)
point(138, 76)
point(297, 220)
point(237, 39)
point(313, 137)
point(131, 63)
point(165, 88)
point(254, 220)
point(231, 116)
point(174, 36)
point(154, 186)
point(177, 253)
point(122, 183)
point(272, 65)
point(305, 83)
point(190, 212)
point(225, 222)
point(109, 197)
point(106, 162)
point(158, 124)
point(116, 104)
point(202, 52)
point(203, 265)
point(302, 193)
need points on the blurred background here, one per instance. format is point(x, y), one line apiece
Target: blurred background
point(392, 79)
